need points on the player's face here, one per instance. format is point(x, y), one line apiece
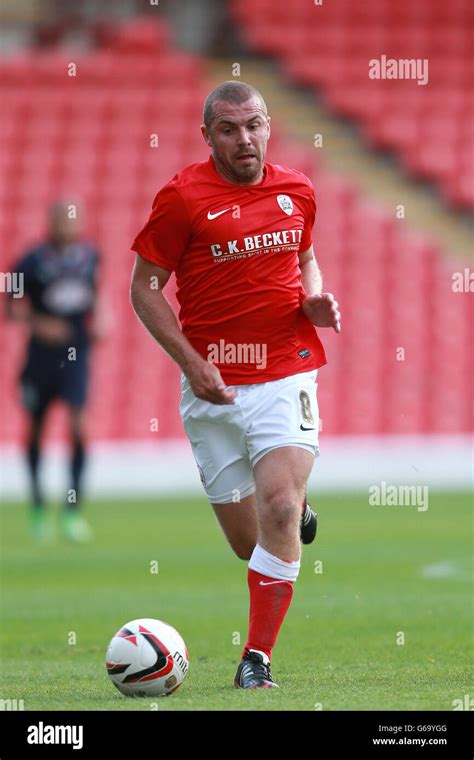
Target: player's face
point(65, 227)
point(238, 136)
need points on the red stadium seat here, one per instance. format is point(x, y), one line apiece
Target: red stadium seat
point(328, 48)
point(90, 138)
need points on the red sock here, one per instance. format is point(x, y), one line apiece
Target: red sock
point(269, 602)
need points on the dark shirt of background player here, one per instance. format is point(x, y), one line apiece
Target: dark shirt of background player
point(60, 311)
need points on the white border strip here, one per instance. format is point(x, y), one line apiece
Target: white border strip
point(346, 463)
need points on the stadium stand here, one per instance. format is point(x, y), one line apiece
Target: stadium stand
point(88, 136)
point(328, 47)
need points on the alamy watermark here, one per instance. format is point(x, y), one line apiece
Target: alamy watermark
point(238, 353)
point(42, 733)
point(12, 282)
point(466, 703)
point(387, 495)
point(399, 68)
point(11, 705)
point(463, 282)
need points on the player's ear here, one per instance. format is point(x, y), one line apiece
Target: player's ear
point(206, 135)
point(269, 118)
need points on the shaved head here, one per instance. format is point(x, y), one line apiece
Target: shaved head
point(65, 221)
point(236, 128)
point(232, 92)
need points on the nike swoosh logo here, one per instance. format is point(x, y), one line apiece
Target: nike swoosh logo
point(269, 583)
point(213, 216)
point(304, 428)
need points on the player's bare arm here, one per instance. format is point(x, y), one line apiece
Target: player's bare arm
point(311, 276)
point(320, 308)
point(156, 314)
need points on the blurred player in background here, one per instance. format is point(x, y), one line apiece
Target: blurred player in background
point(238, 233)
point(60, 312)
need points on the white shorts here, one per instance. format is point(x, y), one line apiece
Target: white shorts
point(228, 440)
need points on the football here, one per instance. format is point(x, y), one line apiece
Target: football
point(147, 658)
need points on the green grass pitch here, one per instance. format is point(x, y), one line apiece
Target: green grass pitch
point(387, 573)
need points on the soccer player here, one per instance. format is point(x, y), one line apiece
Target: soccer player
point(236, 230)
point(59, 310)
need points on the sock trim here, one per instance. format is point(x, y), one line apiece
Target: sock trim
point(267, 564)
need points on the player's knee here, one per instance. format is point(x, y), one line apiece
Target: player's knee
point(281, 500)
point(282, 509)
point(284, 519)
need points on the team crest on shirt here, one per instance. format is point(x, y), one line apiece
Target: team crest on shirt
point(285, 203)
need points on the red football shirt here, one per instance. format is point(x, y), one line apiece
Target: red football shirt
point(234, 250)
